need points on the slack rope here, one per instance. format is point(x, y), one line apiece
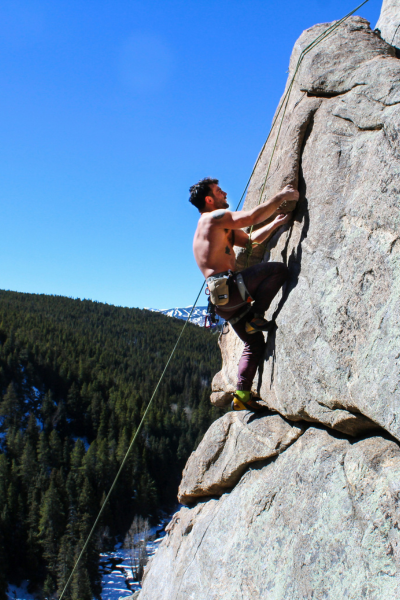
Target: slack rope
point(284, 103)
point(129, 449)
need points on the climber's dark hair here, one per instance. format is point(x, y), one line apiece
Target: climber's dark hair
point(199, 191)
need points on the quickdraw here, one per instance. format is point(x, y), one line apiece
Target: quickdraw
point(210, 320)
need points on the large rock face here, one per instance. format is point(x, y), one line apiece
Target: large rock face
point(389, 22)
point(334, 357)
point(313, 514)
point(321, 521)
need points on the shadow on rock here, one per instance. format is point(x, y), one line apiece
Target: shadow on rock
point(294, 265)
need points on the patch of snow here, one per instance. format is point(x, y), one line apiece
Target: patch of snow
point(19, 593)
point(117, 578)
point(197, 317)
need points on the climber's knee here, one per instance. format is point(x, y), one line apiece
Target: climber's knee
point(282, 270)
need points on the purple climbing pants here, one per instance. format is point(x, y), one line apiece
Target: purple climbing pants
point(263, 281)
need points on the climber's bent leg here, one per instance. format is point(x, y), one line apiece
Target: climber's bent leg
point(263, 281)
point(253, 351)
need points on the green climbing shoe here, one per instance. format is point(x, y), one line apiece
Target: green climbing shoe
point(245, 404)
point(258, 324)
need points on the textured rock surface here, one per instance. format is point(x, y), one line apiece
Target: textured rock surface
point(320, 521)
point(334, 357)
point(389, 22)
point(229, 446)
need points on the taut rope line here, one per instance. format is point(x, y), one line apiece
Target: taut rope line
point(284, 103)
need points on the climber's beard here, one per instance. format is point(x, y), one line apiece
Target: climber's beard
point(222, 204)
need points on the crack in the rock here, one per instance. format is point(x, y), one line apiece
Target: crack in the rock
point(216, 456)
point(325, 94)
point(392, 245)
point(328, 95)
point(294, 261)
point(322, 94)
point(355, 413)
point(195, 553)
point(394, 35)
point(376, 127)
point(380, 101)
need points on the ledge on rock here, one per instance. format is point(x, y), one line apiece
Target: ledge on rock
point(232, 443)
point(222, 392)
point(321, 521)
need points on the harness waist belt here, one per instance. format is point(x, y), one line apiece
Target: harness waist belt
point(244, 292)
point(239, 315)
point(218, 275)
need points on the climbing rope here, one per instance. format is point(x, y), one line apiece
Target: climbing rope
point(129, 449)
point(284, 104)
point(285, 101)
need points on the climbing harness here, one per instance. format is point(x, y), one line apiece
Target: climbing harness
point(244, 292)
point(239, 315)
point(283, 105)
point(218, 290)
point(210, 320)
point(218, 296)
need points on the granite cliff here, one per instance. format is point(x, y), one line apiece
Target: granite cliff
point(303, 500)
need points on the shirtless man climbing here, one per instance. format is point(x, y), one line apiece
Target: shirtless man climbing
point(218, 230)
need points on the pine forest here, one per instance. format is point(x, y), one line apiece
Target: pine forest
point(75, 379)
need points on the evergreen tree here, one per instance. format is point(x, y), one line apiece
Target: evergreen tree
point(11, 408)
point(51, 527)
point(75, 379)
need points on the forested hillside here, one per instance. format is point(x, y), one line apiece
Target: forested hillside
point(75, 378)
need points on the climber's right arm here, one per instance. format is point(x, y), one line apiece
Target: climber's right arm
point(245, 218)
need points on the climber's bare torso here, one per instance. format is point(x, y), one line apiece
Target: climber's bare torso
point(213, 247)
point(219, 229)
point(213, 243)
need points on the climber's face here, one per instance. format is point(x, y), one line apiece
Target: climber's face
point(218, 196)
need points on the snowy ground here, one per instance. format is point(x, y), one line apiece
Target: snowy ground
point(20, 593)
point(117, 579)
point(183, 313)
point(115, 569)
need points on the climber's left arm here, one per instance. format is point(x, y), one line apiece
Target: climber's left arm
point(260, 235)
point(241, 238)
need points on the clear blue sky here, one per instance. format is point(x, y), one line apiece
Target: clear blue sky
point(110, 110)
